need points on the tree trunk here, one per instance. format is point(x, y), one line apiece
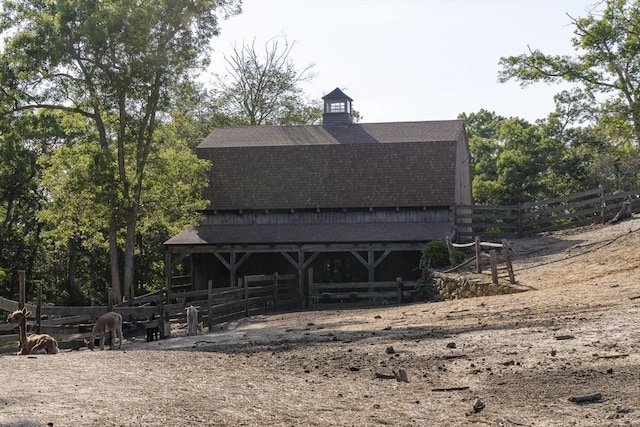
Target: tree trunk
point(129, 255)
point(113, 256)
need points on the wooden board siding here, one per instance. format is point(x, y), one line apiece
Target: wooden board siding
point(432, 214)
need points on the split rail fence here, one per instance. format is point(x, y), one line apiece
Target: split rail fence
point(156, 311)
point(497, 222)
point(500, 266)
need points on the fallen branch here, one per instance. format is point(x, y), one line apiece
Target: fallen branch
point(584, 398)
point(612, 356)
point(564, 337)
point(385, 376)
point(451, 388)
point(203, 342)
point(452, 356)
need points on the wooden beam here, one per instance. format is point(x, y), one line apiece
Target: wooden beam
point(222, 260)
point(260, 248)
point(168, 268)
point(243, 259)
point(382, 257)
point(292, 261)
point(359, 258)
point(310, 260)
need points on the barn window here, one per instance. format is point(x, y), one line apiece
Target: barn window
point(337, 107)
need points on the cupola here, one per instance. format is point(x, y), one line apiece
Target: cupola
point(337, 109)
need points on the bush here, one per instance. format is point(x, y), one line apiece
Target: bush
point(436, 254)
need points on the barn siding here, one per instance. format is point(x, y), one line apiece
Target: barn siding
point(329, 217)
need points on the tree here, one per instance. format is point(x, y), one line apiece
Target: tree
point(19, 197)
point(605, 70)
point(516, 162)
point(265, 90)
point(117, 64)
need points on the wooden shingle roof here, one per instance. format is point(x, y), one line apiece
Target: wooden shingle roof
point(358, 166)
point(279, 234)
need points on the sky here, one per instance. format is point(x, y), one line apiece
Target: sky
point(412, 60)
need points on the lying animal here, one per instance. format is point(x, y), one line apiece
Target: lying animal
point(34, 343)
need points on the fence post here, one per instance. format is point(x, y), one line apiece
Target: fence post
point(210, 301)
point(452, 251)
point(39, 309)
point(520, 226)
point(246, 297)
point(162, 312)
point(478, 253)
point(494, 266)
point(109, 299)
point(275, 296)
point(21, 289)
point(507, 260)
point(310, 280)
point(400, 288)
point(603, 204)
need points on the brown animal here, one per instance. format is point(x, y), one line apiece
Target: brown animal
point(111, 321)
point(34, 343)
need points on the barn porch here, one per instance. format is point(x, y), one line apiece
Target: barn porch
point(317, 253)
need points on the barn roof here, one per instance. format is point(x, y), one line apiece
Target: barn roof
point(279, 234)
point(404, 164)
point(336, 94)
point(364, 133)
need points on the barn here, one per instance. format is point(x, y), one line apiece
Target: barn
point(337, 202)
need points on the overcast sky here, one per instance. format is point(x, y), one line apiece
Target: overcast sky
point(412, 60)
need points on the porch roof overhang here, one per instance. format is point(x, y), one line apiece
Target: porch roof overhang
point(409, 234)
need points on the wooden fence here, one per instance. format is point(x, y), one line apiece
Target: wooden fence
point(497, 222)
point(499, 268)
point(157, 310)
point(354, 294)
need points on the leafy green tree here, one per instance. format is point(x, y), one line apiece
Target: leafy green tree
point(482, 130)
point(516, 162)
point(25, 141)
point(117, 64)
point(265, 89)
point(605, 70)
point(19, 200)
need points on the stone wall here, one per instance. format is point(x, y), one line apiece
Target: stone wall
point(456, 286)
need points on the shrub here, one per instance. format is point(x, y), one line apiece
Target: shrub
point(436, 254)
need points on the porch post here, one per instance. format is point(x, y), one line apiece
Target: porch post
point(233, 270)
point(371, 265)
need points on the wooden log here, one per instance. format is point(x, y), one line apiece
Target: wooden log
point(564, 337)
point(584, 398)
point(451, 388)
point(385, 376)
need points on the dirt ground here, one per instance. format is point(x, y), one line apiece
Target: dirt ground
point(519, 358)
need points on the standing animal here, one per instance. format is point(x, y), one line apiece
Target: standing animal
point(192, 320)
point(34, 343)
point(108, 322)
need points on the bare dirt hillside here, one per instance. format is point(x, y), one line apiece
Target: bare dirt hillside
point(519, 359)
